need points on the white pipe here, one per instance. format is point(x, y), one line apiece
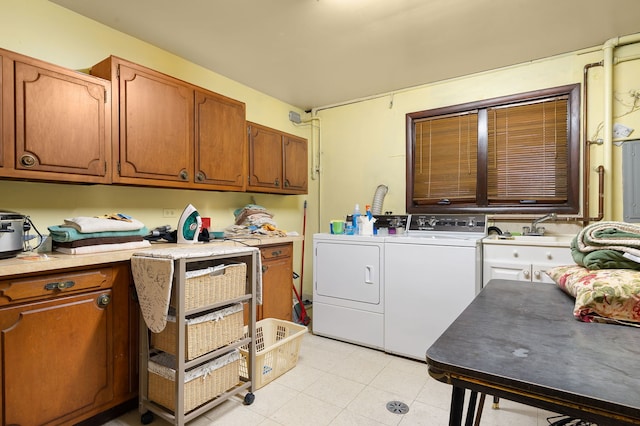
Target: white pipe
point(608, 125)
point(315, 156)
point(608, 63)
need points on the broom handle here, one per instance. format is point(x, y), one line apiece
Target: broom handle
point(304, 228)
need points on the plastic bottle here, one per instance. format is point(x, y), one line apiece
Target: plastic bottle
point(369, 217)
point(356, 220)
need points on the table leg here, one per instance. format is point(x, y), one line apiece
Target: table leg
point(471, 409)
point(480, 408)
point(457, 405)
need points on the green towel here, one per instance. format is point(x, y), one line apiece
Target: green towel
point(65, 234)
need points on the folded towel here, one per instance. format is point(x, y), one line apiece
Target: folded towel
point(85, 224)
point(64, 234)
point(104, 247)
point(602, 245)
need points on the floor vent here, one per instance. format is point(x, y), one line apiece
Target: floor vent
point(397, 407)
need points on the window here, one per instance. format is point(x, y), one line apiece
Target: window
point(516, 154)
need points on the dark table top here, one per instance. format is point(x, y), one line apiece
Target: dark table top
point(524, 338)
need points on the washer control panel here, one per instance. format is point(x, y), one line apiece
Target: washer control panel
point(448, 223)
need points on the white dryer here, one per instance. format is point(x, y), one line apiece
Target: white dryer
point(348, 288)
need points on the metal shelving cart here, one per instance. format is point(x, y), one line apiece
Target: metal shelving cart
point(186, 361)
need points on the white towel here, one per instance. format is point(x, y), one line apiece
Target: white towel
point(86, 224)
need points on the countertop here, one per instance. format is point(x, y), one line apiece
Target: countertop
point(28, 263)
point(549, 240)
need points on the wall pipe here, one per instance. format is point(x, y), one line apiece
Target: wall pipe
point(586, 155)
point(608, 49)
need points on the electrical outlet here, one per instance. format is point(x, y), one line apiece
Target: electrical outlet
point(169, 213)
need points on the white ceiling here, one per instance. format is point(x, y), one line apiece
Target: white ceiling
point(313, 53)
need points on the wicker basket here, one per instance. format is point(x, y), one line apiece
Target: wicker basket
point(204, 333)
point(214, 285)
point(277, 347)
point(201, 384)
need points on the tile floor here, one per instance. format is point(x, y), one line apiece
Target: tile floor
point(336, 383)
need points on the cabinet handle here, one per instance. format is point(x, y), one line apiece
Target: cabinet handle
point(286, 183)
point(200, 177)
point(264, 269)
point(276, 253)
point(277, 182)
point(536, 274)
point(60, 285)
point(184, 175)
point(103, 300)
point(525, 273)
point(28, 160)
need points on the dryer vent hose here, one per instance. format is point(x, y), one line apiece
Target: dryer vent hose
point(378, 199)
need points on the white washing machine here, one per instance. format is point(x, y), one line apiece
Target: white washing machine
point(431, 276)
point(348, 289)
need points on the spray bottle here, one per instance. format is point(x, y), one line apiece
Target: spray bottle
point(356, 220)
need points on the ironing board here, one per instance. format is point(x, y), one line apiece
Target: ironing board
point(153, 272)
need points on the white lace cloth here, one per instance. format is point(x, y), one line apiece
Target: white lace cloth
point(153, 277)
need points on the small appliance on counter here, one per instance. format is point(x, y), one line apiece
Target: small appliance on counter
point(13, 228)
point(189, 226)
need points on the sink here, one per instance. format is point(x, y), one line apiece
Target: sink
point(539, 240)
point(544, 238)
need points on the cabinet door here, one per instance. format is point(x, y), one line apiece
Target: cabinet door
point(265, 159)
point(57, 359)
point(295, 165)
point(5, 114)
point(220, 142)
point(277, 281)
point(506, 271)
point(156, 127)
point(60, 124)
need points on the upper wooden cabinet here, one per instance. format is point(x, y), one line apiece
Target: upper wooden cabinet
point(220, 141)
point(170, 133)
point(56, 122)
point(277, 161)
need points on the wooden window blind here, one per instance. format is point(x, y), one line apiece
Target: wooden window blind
point(446, 158)
point(527, 152)
point(513, 154)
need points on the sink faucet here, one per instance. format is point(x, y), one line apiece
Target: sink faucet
point(535, 230)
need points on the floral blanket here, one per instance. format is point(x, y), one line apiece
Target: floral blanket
point(606, 295)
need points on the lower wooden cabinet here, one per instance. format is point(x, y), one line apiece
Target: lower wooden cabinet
point(277, 281)
point(68, 349)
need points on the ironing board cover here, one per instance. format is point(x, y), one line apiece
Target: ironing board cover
point(153, 277)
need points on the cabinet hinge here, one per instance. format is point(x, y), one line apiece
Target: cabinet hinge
point(118, 167)
point(105, 96)
point(105, 167)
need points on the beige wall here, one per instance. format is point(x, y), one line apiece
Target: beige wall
point(356, 146)
point(363, 143)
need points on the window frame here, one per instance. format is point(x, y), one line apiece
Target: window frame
point(481, 204)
